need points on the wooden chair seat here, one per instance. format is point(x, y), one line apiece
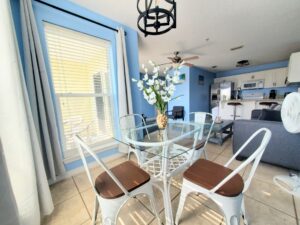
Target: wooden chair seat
point(208, 174)
point(268, 103)
point(188, 143)
point(234, 103)
point(128, 173)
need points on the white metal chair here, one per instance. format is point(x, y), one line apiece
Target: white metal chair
point(115, 186)
point(203, 136)
point(221, 184)
point(202, 117)
point(132, 121)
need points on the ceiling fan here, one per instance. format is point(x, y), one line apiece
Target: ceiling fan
point(176, 59)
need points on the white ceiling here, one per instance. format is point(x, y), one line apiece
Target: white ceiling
point(269, 30)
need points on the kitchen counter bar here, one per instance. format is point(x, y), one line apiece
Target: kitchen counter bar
point(243, 111)
point(254, 100)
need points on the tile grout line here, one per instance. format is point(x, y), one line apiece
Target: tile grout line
point(85, 221)
point(159, 212)
point(295, 208)
point(73, 196)
point(82, 198)
point(279, 210)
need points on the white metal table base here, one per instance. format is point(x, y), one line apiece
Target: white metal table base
point(162, 170)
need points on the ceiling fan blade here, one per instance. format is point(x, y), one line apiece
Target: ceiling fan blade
point(190, 58)
point(188, 64)
point(164, 63)
point(171, 58)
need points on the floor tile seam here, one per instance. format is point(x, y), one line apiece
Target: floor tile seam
point(85, 221)
point(207, 205)
point(159, 211)
point(84, 190)
point(146, 206)
point(296, 212)
point(265, 204)
point(262, 180)
point(151, 220)
point(217, 155)
point(80, 194)
point(70, 197)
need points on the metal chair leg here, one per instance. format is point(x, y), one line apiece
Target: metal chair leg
point(96, 208)
point(183, 195)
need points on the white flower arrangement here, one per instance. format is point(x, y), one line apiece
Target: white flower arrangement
point(158, 91)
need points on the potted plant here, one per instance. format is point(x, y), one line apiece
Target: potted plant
point(158, 90)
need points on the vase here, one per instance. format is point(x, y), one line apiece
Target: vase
point(161, 120)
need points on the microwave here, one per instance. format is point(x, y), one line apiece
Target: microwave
point(253, 84)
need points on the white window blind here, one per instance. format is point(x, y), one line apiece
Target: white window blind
point(80, 68)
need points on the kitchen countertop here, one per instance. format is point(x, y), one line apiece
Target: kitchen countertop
point(254, 100)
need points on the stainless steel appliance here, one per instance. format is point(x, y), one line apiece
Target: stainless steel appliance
point(226, 91)
point(214, 99)
point(215, 92)
point(253, 84)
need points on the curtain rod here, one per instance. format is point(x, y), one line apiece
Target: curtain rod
point(77, 15)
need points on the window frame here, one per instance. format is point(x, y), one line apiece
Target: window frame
point(43, 14)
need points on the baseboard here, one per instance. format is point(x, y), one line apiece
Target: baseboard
point(79, 170)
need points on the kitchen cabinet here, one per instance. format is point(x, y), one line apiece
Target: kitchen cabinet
point(272, 78)
point(275, 78)
point(280, 77)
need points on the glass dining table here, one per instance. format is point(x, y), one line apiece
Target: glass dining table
point(166, 153)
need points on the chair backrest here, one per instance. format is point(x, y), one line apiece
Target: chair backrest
point(178, 112)
point(82, 147)
point(255, 158)
point(132, 121)
point(202, 117)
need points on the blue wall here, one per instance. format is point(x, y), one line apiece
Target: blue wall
point(15, 8)
point(182, 89)
point(199, 94)
point(195, 97)
point(147, 109)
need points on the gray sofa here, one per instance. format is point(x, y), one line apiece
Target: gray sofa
point(283, 149)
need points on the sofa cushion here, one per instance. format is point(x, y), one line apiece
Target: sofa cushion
point(270, 115)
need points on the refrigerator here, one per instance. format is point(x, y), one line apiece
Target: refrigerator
point(214, 99)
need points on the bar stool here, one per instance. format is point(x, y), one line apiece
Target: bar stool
point(234, 104)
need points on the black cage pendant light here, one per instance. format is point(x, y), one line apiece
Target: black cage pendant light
point(156, 16)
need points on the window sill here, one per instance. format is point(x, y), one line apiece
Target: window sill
point(101, 147)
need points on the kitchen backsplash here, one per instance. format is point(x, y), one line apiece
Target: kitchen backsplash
point(266, 91)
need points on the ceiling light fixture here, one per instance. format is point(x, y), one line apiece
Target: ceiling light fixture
point(242, 63)
point(156, 16)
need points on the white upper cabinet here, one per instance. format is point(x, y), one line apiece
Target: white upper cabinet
point(272, 78)
point(294, 68)
point(281, 77)
point(276, 78)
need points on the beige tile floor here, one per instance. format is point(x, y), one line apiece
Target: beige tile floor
point(265, 203)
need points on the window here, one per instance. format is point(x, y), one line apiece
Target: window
point(80, 68)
